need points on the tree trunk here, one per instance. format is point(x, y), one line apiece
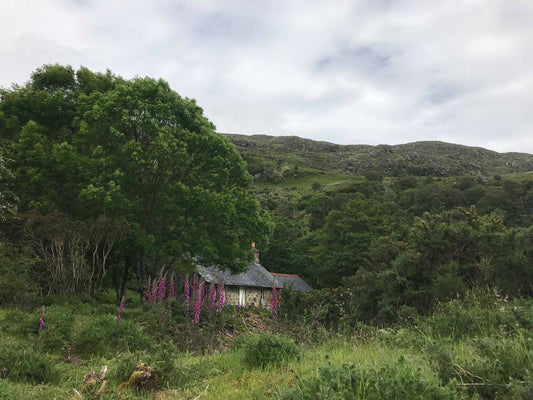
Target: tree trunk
point(141, 274)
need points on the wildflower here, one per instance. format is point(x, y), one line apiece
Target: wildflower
point(120, 309)
point(194, 289)
point(162, 287)
point(316, 321)
point(172, 285)
point(155, 290)
point(220, 295)
point(234, 333)
point(212, 295)
point(198, 302)
point(149, 291)
point(41, 320)
point(186, 290)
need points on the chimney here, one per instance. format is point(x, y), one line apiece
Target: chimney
point(256, 253)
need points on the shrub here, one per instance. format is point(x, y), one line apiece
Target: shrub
point(126, 363)
point(25, 365)
point(99, 336)
point(132, 337)
point(17, 322)
point(500, 366)
point(268, 349)
point(7, 391)
point(163, 358)
point(17, 284)
point(56, 331)
point(395, 381)
point(159, 321)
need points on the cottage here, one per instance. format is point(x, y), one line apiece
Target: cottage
point(254, 286)
point(292, 282)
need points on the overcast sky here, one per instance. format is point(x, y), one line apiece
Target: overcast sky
point(348, 72)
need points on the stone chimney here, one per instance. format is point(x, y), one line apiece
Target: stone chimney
point(256, 253)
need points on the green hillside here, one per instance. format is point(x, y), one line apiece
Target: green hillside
point(283, 156)
point(423, 248)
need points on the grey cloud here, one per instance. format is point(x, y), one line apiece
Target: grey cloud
point(349, 72)
point(364, 58)
point(440, 93)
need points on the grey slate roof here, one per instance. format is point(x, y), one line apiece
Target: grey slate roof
point(255, 276)
point(293, 282)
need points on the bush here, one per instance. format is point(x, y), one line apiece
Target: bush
point(159, 323)
point(501, 366)
point(267, 349)
point(25, 365)
point(18, 323)
point(126, 363)
point(57, 328)
point(483, 315)
point(17, 286)
point(99, 336)
point(395, 381)
point(164, 358)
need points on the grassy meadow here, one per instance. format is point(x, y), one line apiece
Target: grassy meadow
point(474, 348)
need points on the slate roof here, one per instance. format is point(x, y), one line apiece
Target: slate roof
point(255, 276)
point(293, 282)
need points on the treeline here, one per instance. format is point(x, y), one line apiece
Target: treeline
point(393, 244)
point(105, 181)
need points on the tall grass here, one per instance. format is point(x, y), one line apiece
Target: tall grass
point(480, 347)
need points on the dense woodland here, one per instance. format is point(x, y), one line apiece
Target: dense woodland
point(396, 241)
point(115, 179)
point(106, 183)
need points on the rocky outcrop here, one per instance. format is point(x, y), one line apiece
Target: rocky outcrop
point(266, 155)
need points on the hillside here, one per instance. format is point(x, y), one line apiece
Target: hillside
point(271, 156)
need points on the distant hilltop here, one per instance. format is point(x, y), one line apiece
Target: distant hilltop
point(427, 158)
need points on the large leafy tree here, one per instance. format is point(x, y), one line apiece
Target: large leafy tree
point(343, 244)
point(153, 158)
point(135, 150)
point(7, 199)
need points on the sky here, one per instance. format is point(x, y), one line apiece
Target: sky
point(347, 72)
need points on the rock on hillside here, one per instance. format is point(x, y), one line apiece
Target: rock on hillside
point(262, 152)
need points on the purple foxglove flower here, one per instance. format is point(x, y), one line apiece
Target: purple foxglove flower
point(41, 320)
point(120, 309)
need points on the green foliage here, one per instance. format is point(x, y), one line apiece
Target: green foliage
point(57, 330)
point(20, 322)
point(419, 158)
point(345, 241)
point(18, 286)
point(159, 321)
point(398, 380)
point(99, 337)
point(26, 365)
point(183, 171)
point(474, 348)
point(7, 198)
point(267, 349)
point(285, 250)
point(124, 365)
point(89, 144)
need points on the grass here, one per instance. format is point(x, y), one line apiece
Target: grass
point(491, 357)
